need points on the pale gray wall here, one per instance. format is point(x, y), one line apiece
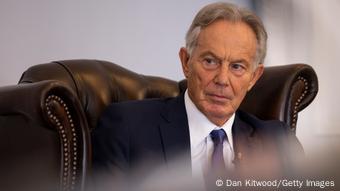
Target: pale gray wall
point(142, 35)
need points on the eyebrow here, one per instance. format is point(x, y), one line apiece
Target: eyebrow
point(208, 52)
point(241, 60)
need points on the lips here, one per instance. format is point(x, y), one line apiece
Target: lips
point(218, 97)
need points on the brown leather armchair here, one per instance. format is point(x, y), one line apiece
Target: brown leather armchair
point(46, 120)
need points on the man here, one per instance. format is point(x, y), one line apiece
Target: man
point(222, 60)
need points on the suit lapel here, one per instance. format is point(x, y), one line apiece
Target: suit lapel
point(246, 143)
point(174, 132)
point(255, 149)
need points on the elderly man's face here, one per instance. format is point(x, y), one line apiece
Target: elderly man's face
point(221, 69)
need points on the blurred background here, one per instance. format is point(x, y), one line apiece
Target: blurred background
point(145, 36)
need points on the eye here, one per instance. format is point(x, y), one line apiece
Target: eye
point(210, 63)
point(238, 68)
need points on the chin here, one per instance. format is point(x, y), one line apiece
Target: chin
point(219, 113)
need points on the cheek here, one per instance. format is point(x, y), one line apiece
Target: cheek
point(200, 79)
point(205, 78)
point(240, 86)
point(194, 83)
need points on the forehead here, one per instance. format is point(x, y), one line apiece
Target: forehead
point(225, 38)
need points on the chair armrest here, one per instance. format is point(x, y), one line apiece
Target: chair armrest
point(52, 121)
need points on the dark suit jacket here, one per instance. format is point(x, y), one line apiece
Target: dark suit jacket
point(130, 133)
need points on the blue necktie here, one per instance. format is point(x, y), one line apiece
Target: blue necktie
point(217, 160)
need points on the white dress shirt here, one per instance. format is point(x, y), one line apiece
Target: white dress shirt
point(201, 144)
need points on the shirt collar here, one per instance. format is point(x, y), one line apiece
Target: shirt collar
point(200, 126)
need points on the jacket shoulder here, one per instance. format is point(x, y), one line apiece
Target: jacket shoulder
point(259, 124)
point(136, 110)
point(136, 105)
point(276, 132)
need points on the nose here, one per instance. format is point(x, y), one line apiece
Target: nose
point(222, 76)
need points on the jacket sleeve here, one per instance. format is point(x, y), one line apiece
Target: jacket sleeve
point(110, 143)
point(294, 153)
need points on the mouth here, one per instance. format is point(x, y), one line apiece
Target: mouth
point(218, 98)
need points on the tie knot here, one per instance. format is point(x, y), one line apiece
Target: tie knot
point(218, 136)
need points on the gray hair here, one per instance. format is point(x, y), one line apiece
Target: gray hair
point(229, 12)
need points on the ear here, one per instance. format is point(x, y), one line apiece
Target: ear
point(184, 57)
point(256, 75)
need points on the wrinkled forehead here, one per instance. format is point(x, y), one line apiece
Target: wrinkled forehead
point(222, 35)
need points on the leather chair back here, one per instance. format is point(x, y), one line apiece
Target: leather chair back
point(99, 83)
point(280, 94)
